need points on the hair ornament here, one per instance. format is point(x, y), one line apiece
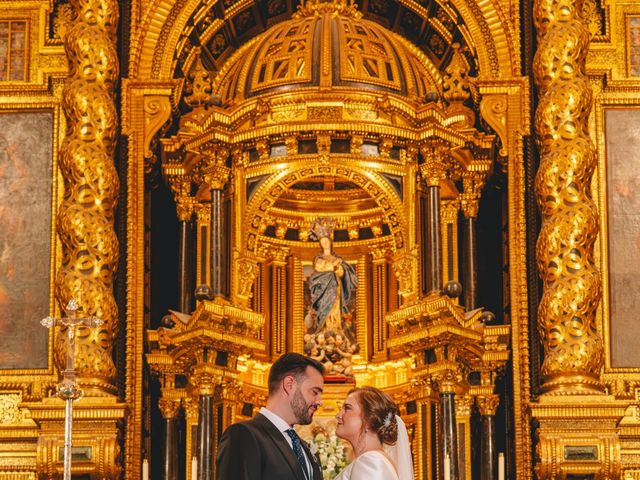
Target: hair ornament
point(387, 419)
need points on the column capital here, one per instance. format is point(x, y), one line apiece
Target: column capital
point(216, 176)
point(190, 406)
point(203, 213)
point(229, 390)
point(215, 172)
point(488, 404)
point(434, 167)
point(463, 405)
point(168, 407)
point(203, 383)
point(446, 379)
point(185, 206)
point(449, 210)
point(472, 184)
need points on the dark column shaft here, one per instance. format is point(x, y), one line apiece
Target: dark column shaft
point(217, 243)
point(205, 437)
point(488, 454)
point(470, 264)
point(449, 435)
point(170, 454)
point(434, 240)
point(185, 267)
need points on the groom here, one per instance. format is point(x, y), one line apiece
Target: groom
point(267, 447)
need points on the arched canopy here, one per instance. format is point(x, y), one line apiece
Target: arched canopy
point(171, 29)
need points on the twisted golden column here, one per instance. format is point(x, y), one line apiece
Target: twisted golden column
point(573, 351)
point(85, 217)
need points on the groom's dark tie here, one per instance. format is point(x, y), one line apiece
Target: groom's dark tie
point(297, 449)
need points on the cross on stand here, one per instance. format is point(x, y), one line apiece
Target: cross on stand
point(68, 389)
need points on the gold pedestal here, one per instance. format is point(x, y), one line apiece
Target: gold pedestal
point(18, 440)
point(577, 435)
point(96, 442)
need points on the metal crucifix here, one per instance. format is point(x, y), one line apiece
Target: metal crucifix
point(68, 389)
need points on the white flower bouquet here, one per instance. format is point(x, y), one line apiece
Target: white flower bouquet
point(330, 450)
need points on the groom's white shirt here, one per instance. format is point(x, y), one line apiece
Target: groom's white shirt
point(283, 426)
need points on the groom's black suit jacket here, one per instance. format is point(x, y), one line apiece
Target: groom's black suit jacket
point(257, 450)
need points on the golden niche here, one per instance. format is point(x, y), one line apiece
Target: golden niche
point(326, 116)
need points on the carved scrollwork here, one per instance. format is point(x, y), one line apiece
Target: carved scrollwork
point(157, 111)
point(493, 109)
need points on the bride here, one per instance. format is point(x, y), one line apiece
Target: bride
point(368, 420)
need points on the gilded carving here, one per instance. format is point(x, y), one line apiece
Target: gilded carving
point(246, 275)
point(168, 407)
point(446, 379)
point(488, 404)
point(10, 413)
point(463, 403)
point(85, 217)
point(455, 80)
point(404, 268)
point(331, 121)
point(493, 109)
point(434, 168)
point(62, 20)
point(157, 111)
point(198, 87)
point(571, 282)
point(472, 184)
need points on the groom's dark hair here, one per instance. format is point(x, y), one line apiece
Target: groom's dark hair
point(291, 364)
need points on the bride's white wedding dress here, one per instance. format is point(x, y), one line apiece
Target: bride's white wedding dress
point(395, 463)
point(371, 465)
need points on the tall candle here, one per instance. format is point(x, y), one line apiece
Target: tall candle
point(501, 466)
point(145, 469)
point(194, 468)
point(447, 467)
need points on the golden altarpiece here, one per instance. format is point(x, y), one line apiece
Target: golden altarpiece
point(459, 156)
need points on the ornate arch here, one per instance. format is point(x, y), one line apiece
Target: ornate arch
point(371, 182)
point(165, 27)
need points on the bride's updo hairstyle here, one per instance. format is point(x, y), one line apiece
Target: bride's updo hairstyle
point(378, 413)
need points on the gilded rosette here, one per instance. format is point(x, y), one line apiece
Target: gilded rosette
point(85, 217)
point(566, 318)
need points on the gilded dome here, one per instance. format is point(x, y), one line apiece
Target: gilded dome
point(327, 46)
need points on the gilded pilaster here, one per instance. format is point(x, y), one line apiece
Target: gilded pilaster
point(573, 351)
point(279, 302)
point(203, 244)
point(449, 217)
point(379, 303)
point(85, 217)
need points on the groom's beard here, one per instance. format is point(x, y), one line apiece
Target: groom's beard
point(301, 409)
